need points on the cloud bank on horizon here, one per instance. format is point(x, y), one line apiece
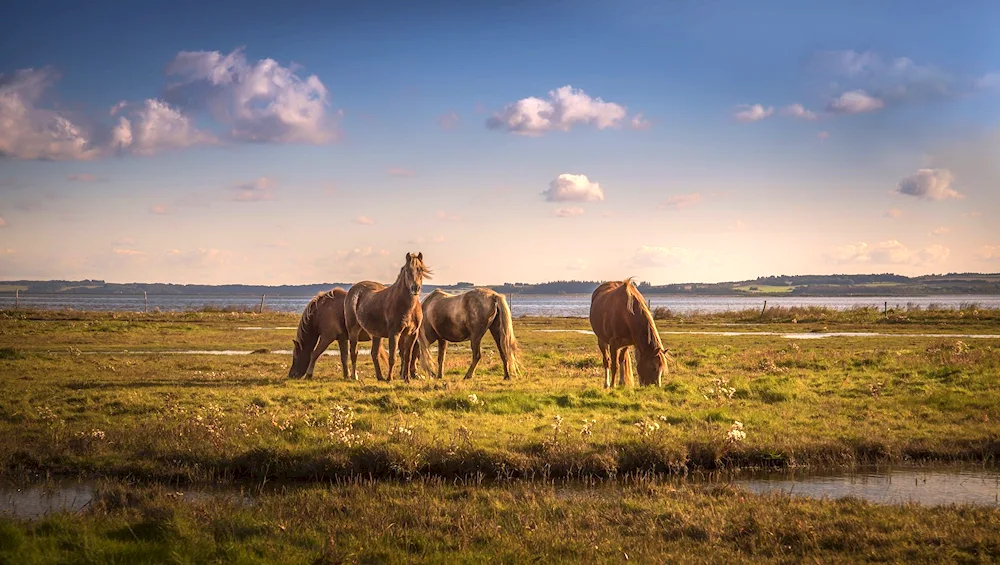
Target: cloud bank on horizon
point(276, 151)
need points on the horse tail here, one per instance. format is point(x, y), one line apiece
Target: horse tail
point(505, 334)
point(307, 335)
point(626, 367)
point(424, 345)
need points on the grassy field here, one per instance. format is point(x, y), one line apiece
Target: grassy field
point(100, 394)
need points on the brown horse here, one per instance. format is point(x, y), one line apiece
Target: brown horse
point(321, 324)
point(620, 318)
point(388, 311)
point(467, 317)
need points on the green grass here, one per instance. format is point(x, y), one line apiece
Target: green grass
point(436, 522)
point(73, 402)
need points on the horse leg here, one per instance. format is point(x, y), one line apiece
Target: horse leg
point(342, 342)
point(324, 342)
point(376, 351)
point(605, 359)
point(353, 344)
point(407, 349)
point(442, 347)
point(392, 355)
point(615, 367)
point(504, 354)
point(623, 366)
point(475, 342)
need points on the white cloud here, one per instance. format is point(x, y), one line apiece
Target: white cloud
point(564, 108)
point(893, 213)
point(746, 113)
point(570, 212)
point(262, 101)
point(660, 256)
point(989, 253)
point(576, 265)
point(855, 102)
point(157, 126)
point(939, 231)
point(399, 172)
point(573, 188)
point(823, 135)
point(30, 132)
point(449, 121)
point(889, 252)
point(929, 184)
point(3, 222)
point(256, 190)
point(798, 111)
point(678, 201)
point(639, 122)
point(201, 258)
point(364, 220)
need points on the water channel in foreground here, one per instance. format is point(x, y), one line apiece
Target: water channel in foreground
point(930, 486)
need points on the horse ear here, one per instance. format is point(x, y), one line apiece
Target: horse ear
point(420, 256)
point(408, 257)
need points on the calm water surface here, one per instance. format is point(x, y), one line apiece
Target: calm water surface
point(571, 305)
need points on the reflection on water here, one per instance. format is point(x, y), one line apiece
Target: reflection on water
point(887, 486)
point(569, 305)
point(895, 485)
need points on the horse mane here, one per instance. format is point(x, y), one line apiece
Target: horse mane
point(634, 297)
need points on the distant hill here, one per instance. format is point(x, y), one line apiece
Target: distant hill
point(886, 284)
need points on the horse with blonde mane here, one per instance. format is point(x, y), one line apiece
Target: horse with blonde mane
point(322, 322)
point(391, 312)
point(620, 318)
point(468, 316)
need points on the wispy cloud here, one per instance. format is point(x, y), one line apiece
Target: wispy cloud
point(568, 187)
point(564, 108)
point(677, 201)
point(639, 122)
point(364, 220)
point(82, 177)
point(569, 212)
point(989, 253)
point(798, 111)
point(255, 191)
point(889, 252)
point(3, 222)
point(928, 184)
point(747, 113)
point(660, 256)
point(400, 172)
point(449, 121)
point(939, 231)
point(447, 216)
point(823, 135)
point(893, 213)
point(160, 209)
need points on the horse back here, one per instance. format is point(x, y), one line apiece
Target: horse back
point(609, 315)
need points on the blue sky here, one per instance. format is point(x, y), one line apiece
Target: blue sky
point(521, 141)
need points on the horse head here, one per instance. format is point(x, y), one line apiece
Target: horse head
point(413, 272)
point(300, 360)
point(651, 365)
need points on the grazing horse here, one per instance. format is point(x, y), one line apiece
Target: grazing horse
point(388, 311)
point(620, 318)
point(321, 324)
point(467, 317)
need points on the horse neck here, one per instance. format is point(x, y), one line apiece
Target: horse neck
point(644, 332)
point(399, 293)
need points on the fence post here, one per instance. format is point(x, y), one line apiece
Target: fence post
point(145, 302)
point(762, 309)
point(261, 311)
point(886, 311)
point(17, 297)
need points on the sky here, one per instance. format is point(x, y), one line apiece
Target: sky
point(673, 141)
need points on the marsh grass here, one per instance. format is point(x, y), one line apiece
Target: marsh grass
point(359, 520)
point(836, 401)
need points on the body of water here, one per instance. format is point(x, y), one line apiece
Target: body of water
point(569, 305)
point(892, 485)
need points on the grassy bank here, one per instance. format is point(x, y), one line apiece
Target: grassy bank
point(434, 522)
point(96, 393)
